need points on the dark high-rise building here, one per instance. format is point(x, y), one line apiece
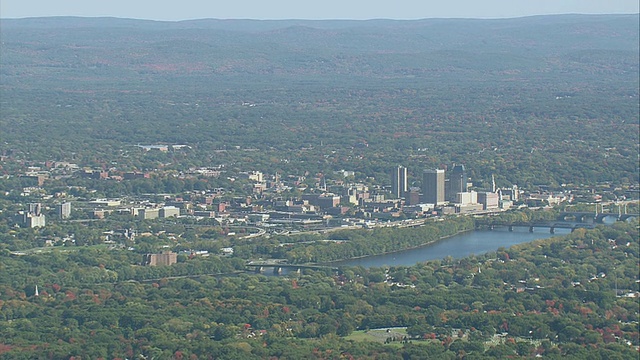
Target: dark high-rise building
point(399, 185)
point(457, 182)
point(433, 186)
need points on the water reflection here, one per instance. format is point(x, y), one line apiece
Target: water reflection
point(459, 246)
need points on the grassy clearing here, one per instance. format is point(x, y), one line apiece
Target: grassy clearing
point(379, 335)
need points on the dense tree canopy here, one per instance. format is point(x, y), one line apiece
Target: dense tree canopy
point(450, 309)
point(502, 96)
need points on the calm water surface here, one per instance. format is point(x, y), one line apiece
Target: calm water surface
point(459, 246)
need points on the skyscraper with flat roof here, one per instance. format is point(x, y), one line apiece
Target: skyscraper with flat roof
point(433, 186)
point(399, 185)
point(63, 210)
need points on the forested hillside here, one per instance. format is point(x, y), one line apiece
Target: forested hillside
point(540, 100)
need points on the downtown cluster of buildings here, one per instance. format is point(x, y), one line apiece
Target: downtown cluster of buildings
point(280, 199)
point(449, 192)
point(330, 201)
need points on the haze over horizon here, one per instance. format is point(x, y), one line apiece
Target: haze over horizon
point(163, 10)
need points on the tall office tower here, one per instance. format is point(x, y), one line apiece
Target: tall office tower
point(35, 208)
point(433, 186)
point(399, 185)
point(457, 182)
point(63, 210)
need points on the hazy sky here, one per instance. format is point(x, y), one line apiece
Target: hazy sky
point(310, 9)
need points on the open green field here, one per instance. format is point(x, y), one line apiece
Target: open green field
point(379, 335)
point(46, 249)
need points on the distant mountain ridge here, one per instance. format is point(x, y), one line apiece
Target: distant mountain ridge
point(472, 48)
point(251, 25)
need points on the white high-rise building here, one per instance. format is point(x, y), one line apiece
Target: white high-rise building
point(33, 221)
point(399, 184)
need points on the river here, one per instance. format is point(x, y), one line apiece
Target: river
point(473, 242)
